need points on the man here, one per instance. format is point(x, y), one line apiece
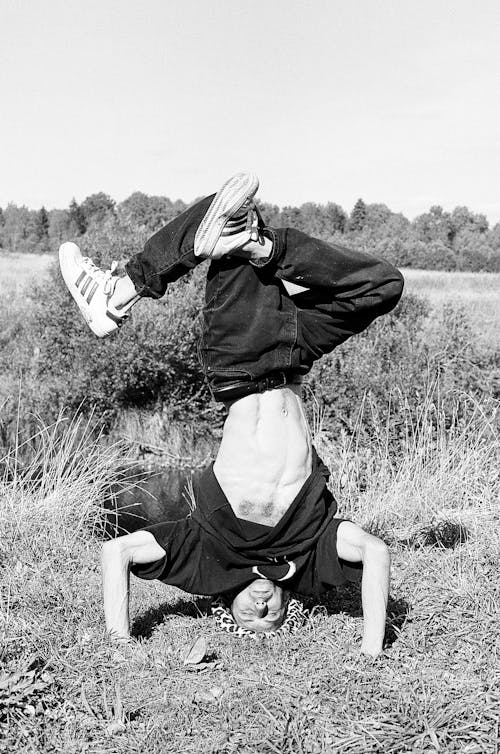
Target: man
point(264, 523)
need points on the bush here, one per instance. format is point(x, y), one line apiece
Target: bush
point(403, 360)
point(152, 361)
point(152, 364)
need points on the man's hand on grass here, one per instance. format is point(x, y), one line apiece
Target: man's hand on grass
point(372, 652)
point(116, 638)
point(360, 652)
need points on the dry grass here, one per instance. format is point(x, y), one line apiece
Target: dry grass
point(16, 270)
point(63, 687)
point(477, 292)
point(153, 435)
point(448, 468)
point(436, 688)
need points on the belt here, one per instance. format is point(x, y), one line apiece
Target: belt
point(239, 389)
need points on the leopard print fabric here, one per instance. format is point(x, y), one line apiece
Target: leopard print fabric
point(296, 617)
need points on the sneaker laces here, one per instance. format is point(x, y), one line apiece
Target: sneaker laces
point(108, 278)
point(253, 226)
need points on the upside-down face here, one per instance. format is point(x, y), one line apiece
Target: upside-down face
point(261, 606)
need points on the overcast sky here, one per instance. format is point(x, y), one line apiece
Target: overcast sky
point(393, 101)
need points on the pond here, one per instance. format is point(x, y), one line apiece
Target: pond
point(147, 497)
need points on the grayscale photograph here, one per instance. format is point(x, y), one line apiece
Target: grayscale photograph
point(249, 377)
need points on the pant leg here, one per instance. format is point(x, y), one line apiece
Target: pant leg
point(348, 289)
point(169, 253)
point(249, 326)
point(253, 327)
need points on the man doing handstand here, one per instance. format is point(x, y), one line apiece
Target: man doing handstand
point(264, 523)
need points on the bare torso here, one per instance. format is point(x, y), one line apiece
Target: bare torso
point(265, 454)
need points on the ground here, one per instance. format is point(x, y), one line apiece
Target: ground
point(436, 688)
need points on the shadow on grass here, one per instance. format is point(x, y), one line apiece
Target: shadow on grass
point(347, 599)
point(397, 613)
point(144, 625)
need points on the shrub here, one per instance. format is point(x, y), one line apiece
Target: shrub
point(153, 361)
point(410, 356)
point(152, 364)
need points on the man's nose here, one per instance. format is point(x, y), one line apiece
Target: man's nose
point(260, 608)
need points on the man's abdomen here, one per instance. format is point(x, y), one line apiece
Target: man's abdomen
point(265, 454)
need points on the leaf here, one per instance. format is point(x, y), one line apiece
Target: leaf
point(205, 696)
point(115, 728)
point(196, 652)
point(216, 691)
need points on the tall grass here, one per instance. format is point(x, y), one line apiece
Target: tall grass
point(447, 464)
point(155, 435)
point(477, 292)
point(17, 271)
point(305, 693)
point(61, 490)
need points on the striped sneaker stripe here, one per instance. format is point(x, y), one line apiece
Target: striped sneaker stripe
point(85, 286)
point(92, 291)
point(238, 221)
point(80, 277)
point(230, 231)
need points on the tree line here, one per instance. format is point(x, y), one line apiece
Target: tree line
point(457, 240)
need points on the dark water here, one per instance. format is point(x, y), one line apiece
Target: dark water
point(147, 497)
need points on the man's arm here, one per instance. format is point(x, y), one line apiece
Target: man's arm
point(117, 557)
point(354, 545)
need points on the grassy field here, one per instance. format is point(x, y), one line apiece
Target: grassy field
point(478, 293)
point(436, 688)
point(18, 269)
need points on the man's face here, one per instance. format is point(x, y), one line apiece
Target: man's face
point(261, 606)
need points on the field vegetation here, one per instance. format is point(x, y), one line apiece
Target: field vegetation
point(406, 417)
point(437, 239)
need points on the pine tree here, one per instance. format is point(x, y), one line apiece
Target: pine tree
point(336, 218)
point(42, 224)
point(77, 217)
point(358, 216)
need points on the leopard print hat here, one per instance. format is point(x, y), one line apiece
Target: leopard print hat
point(296, 617)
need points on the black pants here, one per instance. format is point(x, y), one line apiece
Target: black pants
point(252, 327)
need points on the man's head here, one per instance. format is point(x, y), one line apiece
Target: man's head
point(261, 606)
point(261, 609)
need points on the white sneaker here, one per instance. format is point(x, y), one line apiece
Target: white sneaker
point(92, 289)
point(228, 223)
point(238, 231)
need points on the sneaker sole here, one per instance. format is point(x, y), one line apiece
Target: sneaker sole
point(67, 264)
point(228, 200)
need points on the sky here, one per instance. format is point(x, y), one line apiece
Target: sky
point(394, 101)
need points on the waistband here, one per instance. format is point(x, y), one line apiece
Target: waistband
point(234, 390)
